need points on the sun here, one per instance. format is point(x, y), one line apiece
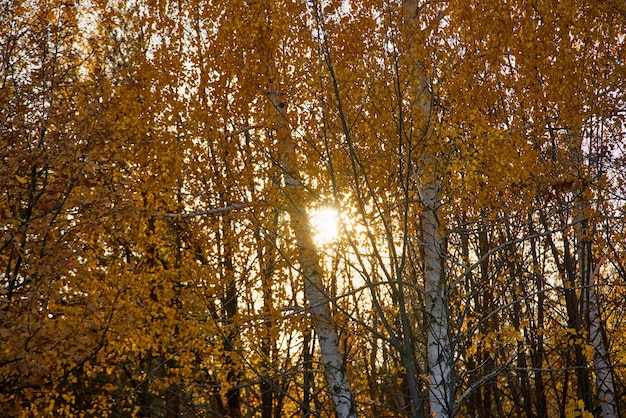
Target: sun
point(325, 223)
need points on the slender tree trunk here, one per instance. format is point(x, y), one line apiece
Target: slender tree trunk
point(474, 400)
point(308, 258)
point(319, 305)
point(296, 202)
point(574, 321)
point(439, 345)
point(587, 274)
point(229, 301)
point(268, 345)
point(440, 358)
point(491, 398)
point(515, 272)
point(601, 364)
point(522, 364)
point(309, 379)
point(537, 339)
point(567, 269)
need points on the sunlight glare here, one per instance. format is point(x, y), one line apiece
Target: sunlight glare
point(325, 223)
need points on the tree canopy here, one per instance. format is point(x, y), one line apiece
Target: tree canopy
point(162, 162)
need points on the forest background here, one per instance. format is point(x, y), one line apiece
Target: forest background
point(162, 162)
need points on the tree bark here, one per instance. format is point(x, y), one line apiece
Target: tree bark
point(308, 258)
point(229, 301)
point(295, 203)
point(311, 271)
point(567, 268)
point(601, 364)
point(537, 348)
point(440, 359)
point(427, 178)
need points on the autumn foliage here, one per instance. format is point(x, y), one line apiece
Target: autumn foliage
point(160, 160)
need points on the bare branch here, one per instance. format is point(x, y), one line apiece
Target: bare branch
point(213, 211)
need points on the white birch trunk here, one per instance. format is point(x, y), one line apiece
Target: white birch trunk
point(310, 268)
point(439, 345)
point(332, 357)
point(296, 200)
point(440, 358)
point(602, 368)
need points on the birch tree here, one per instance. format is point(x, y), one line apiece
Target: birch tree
point(296, 200)
point(159, 160)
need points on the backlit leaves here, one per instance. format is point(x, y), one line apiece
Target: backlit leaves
point(126, 128)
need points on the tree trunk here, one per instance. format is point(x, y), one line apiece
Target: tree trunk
point(295, 203)
point(601, 364)
point(268, 345)
point(567, 268)
point(229, 301)
point(440, 358)
point(574, 321)
point(311, 271)
point(308, 258)
point(537, 347)
point(439, 345)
